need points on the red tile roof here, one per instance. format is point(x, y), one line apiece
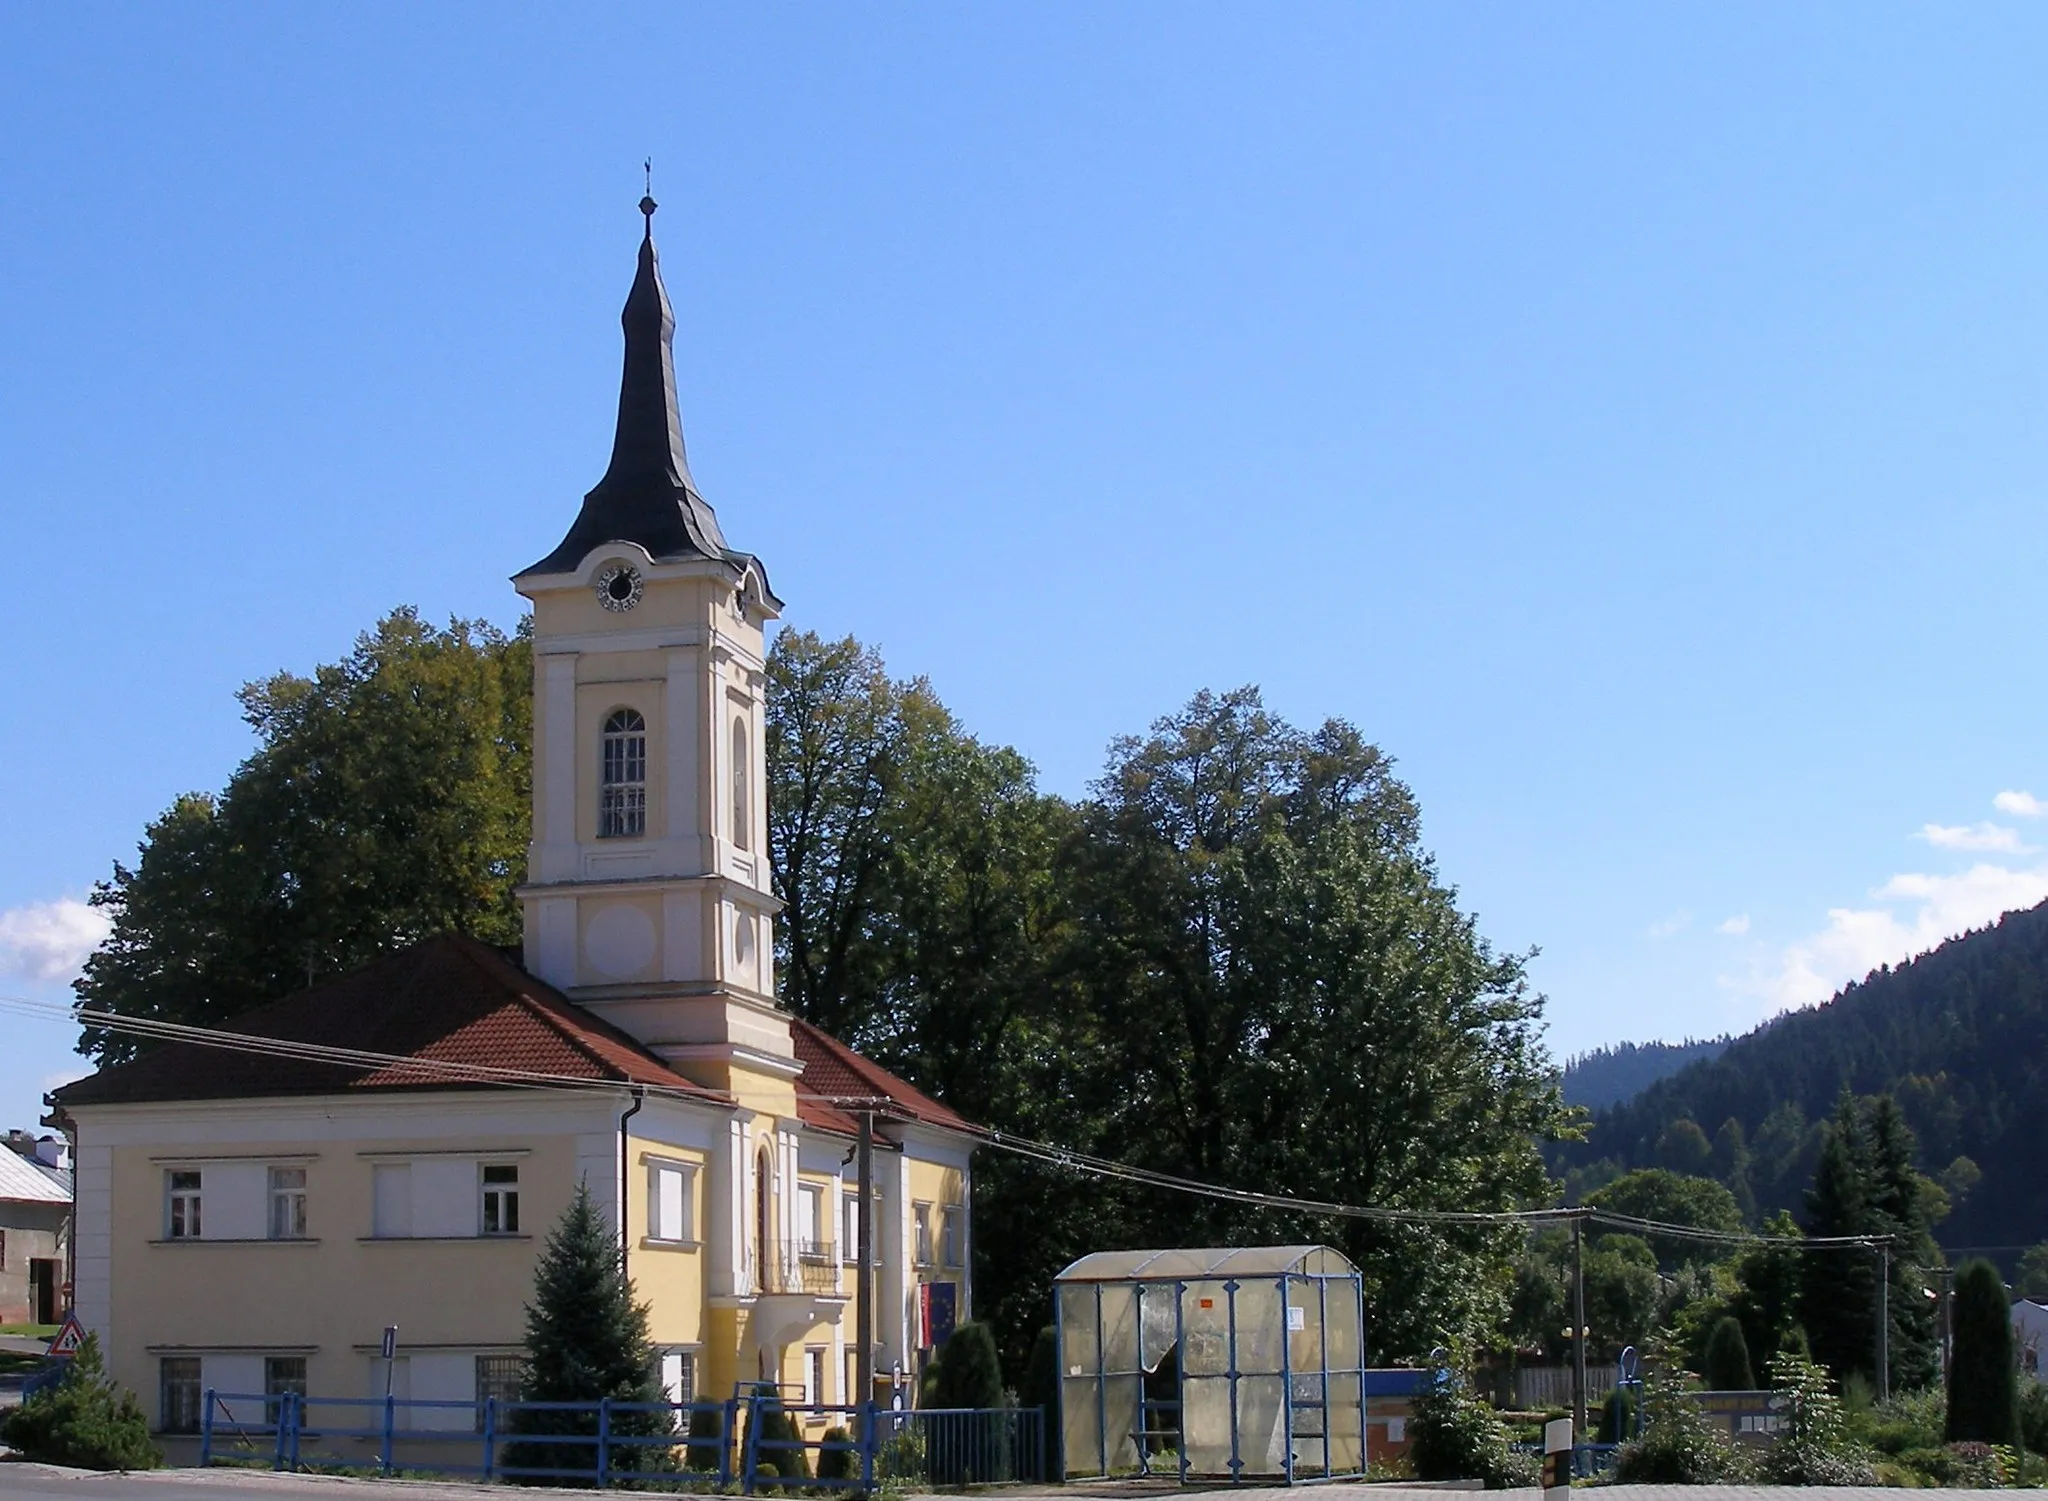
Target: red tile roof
point(835, 1075)
point(448, 999)
point(454, 1000)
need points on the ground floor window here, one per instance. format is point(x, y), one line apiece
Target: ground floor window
point(679, 1375)
point(814, 1376)
point(179, 1394)
point(499, 1376)
point(283, 1376)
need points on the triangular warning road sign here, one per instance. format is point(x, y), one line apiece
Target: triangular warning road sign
point(70, 1335)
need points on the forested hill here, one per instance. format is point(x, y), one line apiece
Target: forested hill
point(1608, 1076)
point(1958, 1036)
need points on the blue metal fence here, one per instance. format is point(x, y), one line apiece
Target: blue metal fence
point(725, 1443)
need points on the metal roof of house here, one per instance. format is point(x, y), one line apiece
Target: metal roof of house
point(1207, 1261)
point(22, 1182)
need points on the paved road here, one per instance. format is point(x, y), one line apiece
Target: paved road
point(24, 1482)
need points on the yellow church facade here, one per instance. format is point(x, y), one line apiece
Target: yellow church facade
point(393, 1145)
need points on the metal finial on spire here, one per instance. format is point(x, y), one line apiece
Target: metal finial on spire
point(647, 204)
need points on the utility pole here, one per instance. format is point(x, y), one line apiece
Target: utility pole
point(864, 1255)
point(1579, 1328)
point(1884, 1321)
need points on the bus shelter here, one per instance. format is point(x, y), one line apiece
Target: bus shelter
point(1240, 1363)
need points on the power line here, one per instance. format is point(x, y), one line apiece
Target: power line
point(452, 1071)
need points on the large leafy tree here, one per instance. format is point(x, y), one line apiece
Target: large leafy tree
point(388, 799)
point(1289, 1000)
point(1675, 1199)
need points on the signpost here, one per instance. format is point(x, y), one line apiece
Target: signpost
point(69, 1336)
point(1557, 1457)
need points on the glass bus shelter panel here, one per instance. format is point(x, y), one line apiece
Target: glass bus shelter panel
point(1158, 1322)
point(1304, 1324)
point(1205, 1329)
point(1205, 1424)
point(1262, 1425)
point(1123, 1379)
point(1346, 1423)
point(1341, 1333)
point(1080, 1380)
point(1261, 1328)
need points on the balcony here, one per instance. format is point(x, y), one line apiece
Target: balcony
point(797, 1288)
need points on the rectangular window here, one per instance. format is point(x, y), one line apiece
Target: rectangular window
point(3, 1250)
point(501, 1200)
point(178, 1394)
point(391, 1200)
point(849, 1241)
point(283, 1375)
point(668, 1202)
point(287, 1203)
point(499, 1376)
point(810, 1223)
point(181, 1220)
point(922, 1224)
point(814, 1376)
point(679, 1376)
point(949, 1235)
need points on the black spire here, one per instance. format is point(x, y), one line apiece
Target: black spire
point(647, 495)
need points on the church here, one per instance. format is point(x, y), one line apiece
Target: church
point(396, 1147)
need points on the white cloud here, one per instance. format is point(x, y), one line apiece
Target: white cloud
point(1984, 836)
point(2019, 804)
point(1670, 926)
point(1918, 912)
point(1736, 926)
point(49, 940)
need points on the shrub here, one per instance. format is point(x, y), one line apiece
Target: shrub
point(969, 1372)
point(1727, 1358)
point(838, 1464)
point(1983, 1383)
point(1617, 1417)
point(1458, 1437)
point(86, 1420)
point(1816, 1448)
point(706, 1447)
point(777, 1426)
point(1679, 1446)
point(2034, 1416)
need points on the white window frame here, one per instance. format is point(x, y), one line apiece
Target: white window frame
point(500, 1195)
point(180, 1391)
point(952, 1223)
point(686, 1228)
point(182, 1203)
point(814, 1375)
point(287, 1203)
point(849, 1214)
point(921, 1233)
point(622, 775)
point(742, 811)
point(685, 1357)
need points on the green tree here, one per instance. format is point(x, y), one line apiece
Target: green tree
point(86, 1420)
point(1732, 1166)
point(1683, 1148)
point(586, 1341)
point(1674, 1199)
point(1906, 1205)
point(1768, 1279)
point(1983, 1381)
point(1621, 1292)
point(970, 1375)
point(1727, 1358)
point(388, 799)
point(2032, 1281)
point(1286, 997)
point(1838, 1293)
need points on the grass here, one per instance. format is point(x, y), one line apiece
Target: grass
point(32, 1331)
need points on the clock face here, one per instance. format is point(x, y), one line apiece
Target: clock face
point(618, 587)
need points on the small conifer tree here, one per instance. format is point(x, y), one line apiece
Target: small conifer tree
point(86, 1420)
point(1727, 1358)
point(586, 1340)
point(1983, 1383)
point(970, 1375)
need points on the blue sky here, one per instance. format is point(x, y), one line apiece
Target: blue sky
point(1631, 417)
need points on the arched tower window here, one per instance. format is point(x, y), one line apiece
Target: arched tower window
point(741, 819)
point(622, 789)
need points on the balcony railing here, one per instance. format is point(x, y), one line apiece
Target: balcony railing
point(809, 1267)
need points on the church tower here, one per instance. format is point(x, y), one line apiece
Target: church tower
point(647, 896)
